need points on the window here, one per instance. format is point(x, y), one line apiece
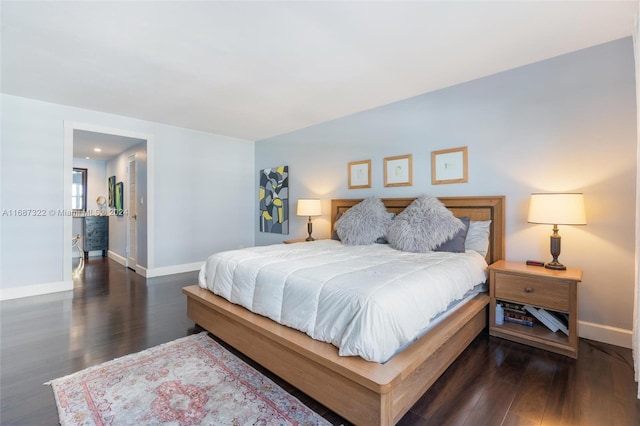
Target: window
point(79, 190)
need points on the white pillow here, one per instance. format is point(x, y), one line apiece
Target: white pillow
point(478, 236)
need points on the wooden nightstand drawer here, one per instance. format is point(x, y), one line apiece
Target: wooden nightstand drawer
point(533, 291)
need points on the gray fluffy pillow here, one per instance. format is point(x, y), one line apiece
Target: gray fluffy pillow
point(363, 223)
point(423, 225)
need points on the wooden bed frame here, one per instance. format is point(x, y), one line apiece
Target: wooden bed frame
point(363, 392)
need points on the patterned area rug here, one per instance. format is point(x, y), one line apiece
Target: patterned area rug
point(190, 381)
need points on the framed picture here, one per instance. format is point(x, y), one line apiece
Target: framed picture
point(111, 182)
point(398, 171)
point(273, 198)
point(449, 166)
point(119, 199)
point(359, 174)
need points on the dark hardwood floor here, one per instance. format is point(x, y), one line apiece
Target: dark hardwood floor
point(112, 311)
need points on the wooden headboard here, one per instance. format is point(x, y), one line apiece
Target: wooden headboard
point(476, 208)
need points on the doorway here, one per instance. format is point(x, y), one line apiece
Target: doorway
point(129, 241)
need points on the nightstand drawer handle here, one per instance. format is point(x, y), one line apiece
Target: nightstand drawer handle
point(528, 290)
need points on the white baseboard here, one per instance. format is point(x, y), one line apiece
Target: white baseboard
point(141, 270)
point(173, 269)
point(39, 289)
point(156, 272)
point(117, 258)
point(35, 290)
point(603, 333)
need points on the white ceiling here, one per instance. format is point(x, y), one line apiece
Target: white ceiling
point(85, 144)
point(257, 69)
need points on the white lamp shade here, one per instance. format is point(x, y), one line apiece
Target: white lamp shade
point(557, 209)
point(309, 207)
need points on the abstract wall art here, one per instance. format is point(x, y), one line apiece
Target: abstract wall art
point(111, 182)
point(119, 199)
point(274, 200)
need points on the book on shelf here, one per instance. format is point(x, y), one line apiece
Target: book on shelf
point(553, 319)
point(513, 307)
point(519, 318)
point(543, 319)
point(562, 316)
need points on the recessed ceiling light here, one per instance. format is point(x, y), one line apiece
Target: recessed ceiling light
point(97, 150)
point(87, 158)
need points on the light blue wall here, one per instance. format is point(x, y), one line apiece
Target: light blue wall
point(565, 124)
point(202, 187)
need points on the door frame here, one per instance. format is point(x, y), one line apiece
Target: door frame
point(131, 261)
point(69, 127)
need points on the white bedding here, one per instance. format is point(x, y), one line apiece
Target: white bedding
point(366, 300)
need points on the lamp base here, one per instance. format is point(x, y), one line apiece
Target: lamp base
point(555, 265)
point(555, 251)
point(310, 230)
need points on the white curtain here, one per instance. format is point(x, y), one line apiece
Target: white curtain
point(636, 309)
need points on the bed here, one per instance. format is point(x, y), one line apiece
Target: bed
point(361, 391)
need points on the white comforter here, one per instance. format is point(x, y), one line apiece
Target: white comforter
point(366, 300)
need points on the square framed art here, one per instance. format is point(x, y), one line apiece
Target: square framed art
point(398, 171)
point(359, 174)
point(449, 166)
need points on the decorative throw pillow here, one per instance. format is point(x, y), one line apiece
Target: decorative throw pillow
point(456, 244)
point(423, 225)
point(334, 233)
point(363, 223)
point(478, 236)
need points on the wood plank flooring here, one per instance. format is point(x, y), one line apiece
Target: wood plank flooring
point(112, 311)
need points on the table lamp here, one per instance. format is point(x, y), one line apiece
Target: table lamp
point(557, 209)
point(309, 207)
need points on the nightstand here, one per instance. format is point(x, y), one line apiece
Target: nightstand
point(555, 291)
